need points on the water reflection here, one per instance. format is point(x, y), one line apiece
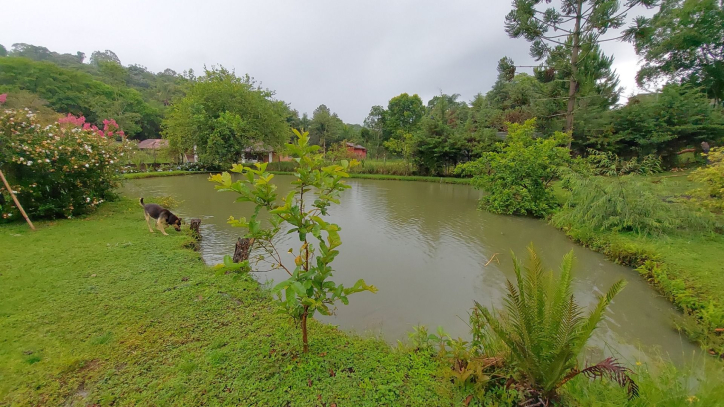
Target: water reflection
point(425, 246)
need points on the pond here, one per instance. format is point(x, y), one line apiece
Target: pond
point(426, 246)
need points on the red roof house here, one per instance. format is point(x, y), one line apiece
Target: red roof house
point(358, 150)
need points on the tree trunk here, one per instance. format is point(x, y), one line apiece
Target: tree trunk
point(304, 329)
point(573, 85)
point(242, 249)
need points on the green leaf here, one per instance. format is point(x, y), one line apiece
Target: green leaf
point(299, 288)
point(228, 262)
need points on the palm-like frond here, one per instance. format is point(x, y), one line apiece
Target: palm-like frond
point(610, 369)
point(544, 327)
point(595, 317)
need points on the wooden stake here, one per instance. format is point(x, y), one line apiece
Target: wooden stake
point(15, 199)
point(195, 225)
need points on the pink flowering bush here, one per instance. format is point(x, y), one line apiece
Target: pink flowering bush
point(110, 127)
point(60, 170)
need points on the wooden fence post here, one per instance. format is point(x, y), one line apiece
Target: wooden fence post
point(242, 249)
point(195, 225)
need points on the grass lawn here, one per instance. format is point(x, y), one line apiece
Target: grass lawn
point(687, 268)
point(97, 310)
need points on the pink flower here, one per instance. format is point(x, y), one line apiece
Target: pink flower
point(109, 126)
point(70, 119)
point(3, 98)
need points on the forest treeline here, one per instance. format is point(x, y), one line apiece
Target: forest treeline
point(572, 88)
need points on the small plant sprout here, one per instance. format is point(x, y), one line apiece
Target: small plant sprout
point(309, 288)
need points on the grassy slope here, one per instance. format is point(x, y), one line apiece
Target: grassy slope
point(689, 267)
point(98, 310)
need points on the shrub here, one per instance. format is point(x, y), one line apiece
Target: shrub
point(309, 288)
point(545, 330)
point(63, 169)
point(476, 367)
point(198, 166)
point(609, 164)
point(711, 195)
point(518, 177)
point(338, 152)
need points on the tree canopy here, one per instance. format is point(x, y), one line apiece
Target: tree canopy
point(683, 41)
point(664, 123)
point(326, 127)
point(566, 32)
point(404, 113)
point(222, 115)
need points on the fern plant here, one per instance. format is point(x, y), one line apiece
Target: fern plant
point(546, 330)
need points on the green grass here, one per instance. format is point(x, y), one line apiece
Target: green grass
point(97, 310)
point(154, 174)
point(147, 157)
point(697, 383)
point(686, 268)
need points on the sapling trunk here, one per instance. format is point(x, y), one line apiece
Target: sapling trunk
point(304, 329)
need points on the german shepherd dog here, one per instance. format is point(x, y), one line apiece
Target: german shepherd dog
point(163, 217)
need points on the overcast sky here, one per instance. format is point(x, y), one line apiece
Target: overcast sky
point(346, 54)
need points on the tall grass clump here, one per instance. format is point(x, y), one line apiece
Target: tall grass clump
point(660, 382)
point(383, 168)
point(282, 166)
point(609, 194)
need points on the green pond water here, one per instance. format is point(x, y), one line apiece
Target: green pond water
point(425, 246)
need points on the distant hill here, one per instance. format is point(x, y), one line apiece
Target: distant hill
point(103, 88)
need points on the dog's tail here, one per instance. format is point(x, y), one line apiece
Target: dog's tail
point(141, 202)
